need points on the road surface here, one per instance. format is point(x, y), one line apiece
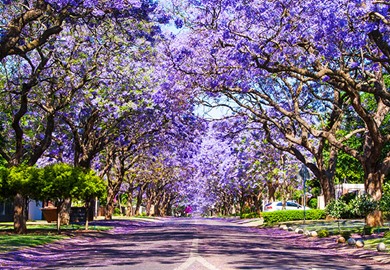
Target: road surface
point(184, 244)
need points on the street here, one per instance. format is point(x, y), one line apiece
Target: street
point(182, 244)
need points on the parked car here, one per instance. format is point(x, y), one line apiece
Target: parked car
point(273, 206)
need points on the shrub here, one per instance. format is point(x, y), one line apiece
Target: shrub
point(367, 230)
point(289, 215)
point(117, 212)
point(363, 205)
point(323, 233)
point(346, 234)
point(386, 215)
point(250, 215)
point(348, 197)
point(313, 203)
point(245, 210)
point(386, 234)
point(336, 209)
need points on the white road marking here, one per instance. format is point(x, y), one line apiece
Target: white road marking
point(194, 257)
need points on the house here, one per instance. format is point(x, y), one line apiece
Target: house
point(6, 211)
point(343, 189)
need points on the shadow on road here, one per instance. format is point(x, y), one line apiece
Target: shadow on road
point(169, 244)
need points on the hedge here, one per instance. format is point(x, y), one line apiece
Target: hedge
point(290, 215)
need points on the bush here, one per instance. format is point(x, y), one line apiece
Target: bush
point(250, 215)
point(323, 233)
point(346, 234)
point(337, 209)
point(386, 215)
point(313, 203)
point(348, 197)
point(386, 234)
point(117, 212)
point(367, 230)
point(290, 215)
point(245, 210)
point(363, 205)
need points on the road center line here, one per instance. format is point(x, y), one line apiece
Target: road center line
point(194, 257)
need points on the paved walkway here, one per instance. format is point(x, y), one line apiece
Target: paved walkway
point(184, 244)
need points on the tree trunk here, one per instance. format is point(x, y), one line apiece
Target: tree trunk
point(64, 211)
point(148, 207)
point(258, 202)
point(110, 204)
point(139, 197)
point(87, 206)
point(19, 217)
point(129, 211)
point(58, 218)
point(271, 191)
point(169, 207)
point(139, 202)
point(373, 185)
point(327, 186)
point(158, 209)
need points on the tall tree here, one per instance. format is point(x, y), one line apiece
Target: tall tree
point(345, 50)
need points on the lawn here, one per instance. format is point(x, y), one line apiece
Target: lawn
point(353, 226)
point(8, 226)
point(38, 234)
point(10, 242)
point(372, 243)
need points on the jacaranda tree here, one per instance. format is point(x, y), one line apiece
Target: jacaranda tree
point(342, 46)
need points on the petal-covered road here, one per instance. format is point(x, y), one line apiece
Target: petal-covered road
point(186, 244)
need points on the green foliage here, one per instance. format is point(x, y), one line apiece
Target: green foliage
point(88, 185)
point(59, 181)
point(16, 241)
point(313, 203)
point(54, 182)
point(314, 187)
point(289, 215)
point(323, 233)
point(367, 230)
point(3, 162)
point(245, 210)
point(21, 180)
point(363, 205)
point(336, 209)
point(348, 168)
point(352, 206)
point(348, 197)
point(250, 215)
point(385, 201)
point(386, 234)
point(63, 181)
point(346, 234)
point(3, 181)
point(117, 212)
point(297, 194)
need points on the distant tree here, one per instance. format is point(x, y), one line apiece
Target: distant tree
point(327, 61)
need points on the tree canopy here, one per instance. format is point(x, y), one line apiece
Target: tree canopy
point(116, 87)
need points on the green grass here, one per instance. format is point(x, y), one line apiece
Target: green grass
point(12, 242)
point(7, 226)
point(372, 243)
point(353, 226)
point(37, 234)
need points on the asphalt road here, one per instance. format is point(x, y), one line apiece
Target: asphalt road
point(183, 244)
